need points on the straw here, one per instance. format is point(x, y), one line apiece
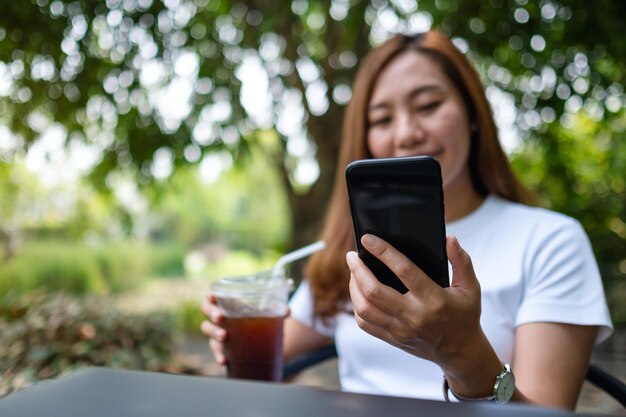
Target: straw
point(279, 267)
point(278, 271)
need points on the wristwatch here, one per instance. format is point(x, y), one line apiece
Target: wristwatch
point(503, 389)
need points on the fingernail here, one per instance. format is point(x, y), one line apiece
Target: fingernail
point(369, 240)
point(350, 257)
point(457, 245)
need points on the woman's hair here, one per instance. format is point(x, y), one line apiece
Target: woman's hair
point(491, 173)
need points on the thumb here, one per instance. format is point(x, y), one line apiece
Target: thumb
point(463, 275)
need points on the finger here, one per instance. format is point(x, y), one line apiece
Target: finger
point(218, 351)
point(376, 331)
point(213, 331)
point(210, 309)
point(463, 275)
point(369, 288)
point(368, 319)
point(416, 281)
point(365, 310)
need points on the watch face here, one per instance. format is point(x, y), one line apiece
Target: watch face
point(505, 388)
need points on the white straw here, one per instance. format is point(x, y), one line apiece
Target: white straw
point(295, 255)
point(279, 268)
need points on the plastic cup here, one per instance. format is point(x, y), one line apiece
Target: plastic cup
point(254, 309)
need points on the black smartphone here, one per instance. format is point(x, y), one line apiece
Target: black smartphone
point(401, 201)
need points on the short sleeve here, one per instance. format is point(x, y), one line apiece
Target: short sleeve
point(301, 306)
point(563, 283)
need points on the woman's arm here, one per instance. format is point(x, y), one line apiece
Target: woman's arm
point(550, 363)
point(300, 339)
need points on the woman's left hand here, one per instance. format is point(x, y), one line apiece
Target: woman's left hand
point(441, 325)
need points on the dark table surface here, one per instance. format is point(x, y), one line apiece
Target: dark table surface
point(100, 392)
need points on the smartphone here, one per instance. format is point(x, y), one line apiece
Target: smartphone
point(401, 201)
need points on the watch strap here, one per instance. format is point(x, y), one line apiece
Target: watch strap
point(447, 389)
point(493, 397)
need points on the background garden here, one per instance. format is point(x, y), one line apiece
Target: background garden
point(147, 147)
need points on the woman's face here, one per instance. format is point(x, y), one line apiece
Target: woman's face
point(416, 110)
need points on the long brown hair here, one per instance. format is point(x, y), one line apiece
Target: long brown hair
point(491, 173)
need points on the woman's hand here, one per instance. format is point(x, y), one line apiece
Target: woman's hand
point(212, 329)
point(441, 325)
point(299, 338)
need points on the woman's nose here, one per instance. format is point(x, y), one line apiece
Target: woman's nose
point(408, 132)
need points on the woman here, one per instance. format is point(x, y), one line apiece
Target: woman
point(530, 298)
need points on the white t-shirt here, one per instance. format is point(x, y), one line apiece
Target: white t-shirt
point(534, 265)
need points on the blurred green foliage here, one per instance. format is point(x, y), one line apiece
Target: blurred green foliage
point(188, 317)
point(53, 266)
point(236, 224)
point(81, 269)
point(244, 209)
point(43, 336)
point(166, 259)
point(580, 170)
point(239, 262)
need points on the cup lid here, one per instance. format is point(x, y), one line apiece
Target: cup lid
point(251, 283)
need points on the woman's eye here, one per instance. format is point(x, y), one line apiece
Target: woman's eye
point(429, 106)
point(380, 121)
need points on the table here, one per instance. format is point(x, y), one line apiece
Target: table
point(101, 392)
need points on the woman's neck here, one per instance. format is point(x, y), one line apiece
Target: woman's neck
point(461, 201)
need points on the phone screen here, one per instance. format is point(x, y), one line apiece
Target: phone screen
point(401, 201)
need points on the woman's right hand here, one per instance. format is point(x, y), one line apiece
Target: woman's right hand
point(212, 329)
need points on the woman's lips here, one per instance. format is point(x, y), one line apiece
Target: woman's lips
point(432, 154)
